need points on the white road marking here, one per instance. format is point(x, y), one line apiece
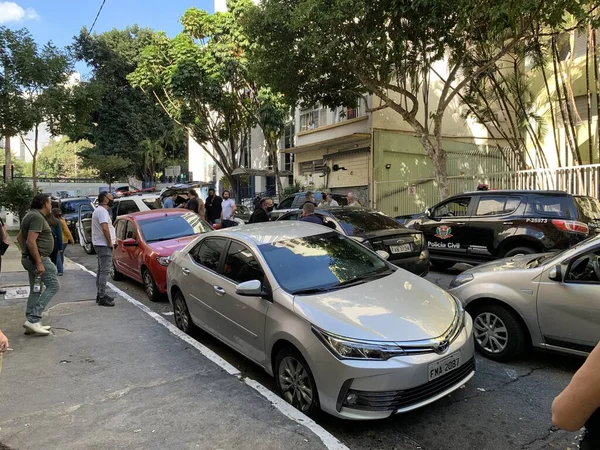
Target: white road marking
point(330, 441)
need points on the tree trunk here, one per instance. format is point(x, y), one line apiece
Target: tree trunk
point(589, 96)
point(7, 160)
point(552, 116)
point(438, 157)
point(34, 159)
point(273, 151)
point(570, 145)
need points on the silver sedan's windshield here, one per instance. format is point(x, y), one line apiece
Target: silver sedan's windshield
point(320, 263)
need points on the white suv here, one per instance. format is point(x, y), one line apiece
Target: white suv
point(135, 203)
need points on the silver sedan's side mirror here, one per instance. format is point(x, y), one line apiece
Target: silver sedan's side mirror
point(251, 288)
point(385, 255)
point(555, 273)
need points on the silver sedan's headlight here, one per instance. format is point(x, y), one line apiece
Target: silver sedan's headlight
point(461, 279)
point(346, 348)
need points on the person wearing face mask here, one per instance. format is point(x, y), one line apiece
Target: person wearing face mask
point(228, 211)
point(262, 213)
point(104, 240)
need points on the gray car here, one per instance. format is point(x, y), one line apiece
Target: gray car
point(339, 328)
point(550, 301)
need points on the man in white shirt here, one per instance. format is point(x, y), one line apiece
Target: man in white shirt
point(104, 240)
point(327, 201)
point(228, 210)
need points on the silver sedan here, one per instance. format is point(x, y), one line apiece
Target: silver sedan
point(339, 328)
point(550, 301)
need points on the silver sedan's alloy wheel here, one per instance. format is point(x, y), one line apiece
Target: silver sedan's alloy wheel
point(180, 312)
point(490, 332)
point(295, 383)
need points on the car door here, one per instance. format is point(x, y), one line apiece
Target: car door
point(283, 207)
point(119, 256)
point(133, 254)
point(446, 227)
point(200, 267)
point(491, 223)
point(242, 319)
point(569, 310)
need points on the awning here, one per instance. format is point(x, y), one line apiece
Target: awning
point(259, 172)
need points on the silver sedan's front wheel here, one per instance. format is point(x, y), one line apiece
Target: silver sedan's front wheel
point(499, 332)
point(295, 381)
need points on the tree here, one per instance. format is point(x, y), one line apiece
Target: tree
point(15, 48)
point(272, 117)
point(110, 168)
point(62, 158)
point(334, 51)
point(200, 78)
point(16, 197)
point(106, 110)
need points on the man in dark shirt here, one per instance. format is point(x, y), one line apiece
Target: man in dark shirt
point(309, 198)
point(262, 213)
point(213, 207)
point(308, 214)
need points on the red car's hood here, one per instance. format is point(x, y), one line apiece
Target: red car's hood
point(166, 248)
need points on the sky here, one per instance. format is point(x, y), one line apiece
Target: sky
point(60, 20)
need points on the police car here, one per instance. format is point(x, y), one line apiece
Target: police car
point(479, 226)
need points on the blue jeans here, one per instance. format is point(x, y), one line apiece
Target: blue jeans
point(37, 301)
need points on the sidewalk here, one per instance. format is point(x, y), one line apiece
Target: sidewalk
point(116, 378)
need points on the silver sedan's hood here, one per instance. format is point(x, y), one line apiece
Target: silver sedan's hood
point(399, 307)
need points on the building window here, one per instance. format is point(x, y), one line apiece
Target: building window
point(312, 118)
point(351, 112)
point(288, 162)
point(311, 167)
point(287, 140)
point(245, 157)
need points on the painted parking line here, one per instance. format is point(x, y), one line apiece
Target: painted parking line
point(330, 441)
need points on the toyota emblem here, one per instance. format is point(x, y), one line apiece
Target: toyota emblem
point(442, 347)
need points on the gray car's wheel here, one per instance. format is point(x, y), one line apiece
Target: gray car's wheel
point(295, 381)
point(181, 314)
point(518, 251)
point(150, 286)
point(116, 276)
point(89, 248)
point(498, 333)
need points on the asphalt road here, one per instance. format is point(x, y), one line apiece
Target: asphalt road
point(504, 407)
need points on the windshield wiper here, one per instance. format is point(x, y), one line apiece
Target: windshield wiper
point(310, 291)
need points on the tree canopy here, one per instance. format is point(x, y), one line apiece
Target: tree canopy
point(334, 51)
point(106, 110)
point(62, 159)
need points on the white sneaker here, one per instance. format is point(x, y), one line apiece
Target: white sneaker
point(29, 332)
point(36, 328)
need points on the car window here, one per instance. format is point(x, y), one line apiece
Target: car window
point(286, 204)
point(457, 207)
point(299, 200)
point(563, 207)
point(360, 221)
point(127, 207)
point(120, 229)
point(152, 203)
point(208, 253)
point(131, 231)
point(497, 205)
point(241, 265)
point(72, 206)
point(319, 261)
point(172, 226)
point(585, 269)
point(290, 217)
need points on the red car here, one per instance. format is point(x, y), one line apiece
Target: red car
point(146, 240)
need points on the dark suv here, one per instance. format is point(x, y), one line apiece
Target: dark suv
point(296, 201)
point(479, 226)
point(69, 207)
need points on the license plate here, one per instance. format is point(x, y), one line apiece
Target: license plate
point(403, 248)
point(443, 366)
